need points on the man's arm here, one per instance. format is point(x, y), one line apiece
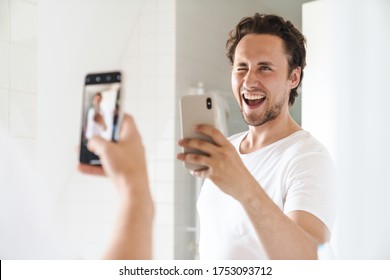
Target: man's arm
point(292, 236)
point(124, 163)
point(132, 238)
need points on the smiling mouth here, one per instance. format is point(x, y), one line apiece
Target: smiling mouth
point(253, 99)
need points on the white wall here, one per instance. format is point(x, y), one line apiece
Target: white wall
point(138, 38)
point(149, 64)
point(18, 55)
point(361, 87)
point(356, 92)
point(318, 108)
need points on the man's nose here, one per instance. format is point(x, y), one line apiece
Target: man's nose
point(251, 79)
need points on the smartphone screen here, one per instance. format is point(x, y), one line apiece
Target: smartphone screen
point(100, 112)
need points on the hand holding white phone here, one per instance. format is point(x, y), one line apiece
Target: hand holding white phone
point(195, 110)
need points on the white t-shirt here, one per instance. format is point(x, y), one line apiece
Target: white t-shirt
point(297, 174)
point(93, 128)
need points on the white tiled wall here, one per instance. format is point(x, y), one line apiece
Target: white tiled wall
point(22, 114)
point(149, 65)
point(23, 25)
point(88, 205)
point(4, 20)
point(4, 65)
point(18, 69)
point(23, 68)
point(4, 108)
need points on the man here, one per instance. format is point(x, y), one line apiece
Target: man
point(96, 124)
point(268, 191)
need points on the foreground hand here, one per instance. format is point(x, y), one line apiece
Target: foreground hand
point(223, 164)
point(124, 161)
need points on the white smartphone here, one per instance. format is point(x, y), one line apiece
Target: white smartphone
point(102, 97)
point(195, 110)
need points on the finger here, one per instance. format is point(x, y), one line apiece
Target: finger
point(97, 145)
point(194, 158)
point(197, 144)
point(181, 156)
point(128, 128)
point(213, 132)
point(201, 173)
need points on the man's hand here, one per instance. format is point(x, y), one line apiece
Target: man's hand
point(124, 161)
point(223, 164)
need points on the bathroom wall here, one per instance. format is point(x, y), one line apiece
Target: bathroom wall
point(346, 106)
point(143, 47)
point(317, 110)
point(149, 65)
point(18, 63)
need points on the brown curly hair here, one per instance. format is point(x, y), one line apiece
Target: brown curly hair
point(293, 40)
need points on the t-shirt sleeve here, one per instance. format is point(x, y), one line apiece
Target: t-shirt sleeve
point(310, 186)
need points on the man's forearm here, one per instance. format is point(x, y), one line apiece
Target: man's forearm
point(280, 237)
point(133, 236)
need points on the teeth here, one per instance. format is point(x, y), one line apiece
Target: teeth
point(253, 97)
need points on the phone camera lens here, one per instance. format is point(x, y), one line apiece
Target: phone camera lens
point(209, 103)
point(118, 77)
point(108, 78)
point(98, 79)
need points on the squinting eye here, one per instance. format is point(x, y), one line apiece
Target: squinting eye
point(265, 68)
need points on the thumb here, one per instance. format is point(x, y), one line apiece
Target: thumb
point(128, 127)
point(97, 145)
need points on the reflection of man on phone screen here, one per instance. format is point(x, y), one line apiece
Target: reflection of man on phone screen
point(96, 124)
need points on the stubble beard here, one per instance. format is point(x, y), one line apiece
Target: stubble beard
point(269, 115)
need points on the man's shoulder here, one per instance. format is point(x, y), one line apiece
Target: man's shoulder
point(304, 145)
point(306, 141)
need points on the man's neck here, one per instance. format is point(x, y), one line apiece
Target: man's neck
point(268, 133)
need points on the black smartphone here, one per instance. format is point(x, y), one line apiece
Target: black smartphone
point(101, 110)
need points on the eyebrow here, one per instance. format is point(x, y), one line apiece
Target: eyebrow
point(268, 63)
point(261, 63)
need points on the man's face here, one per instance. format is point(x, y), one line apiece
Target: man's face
point(97, 99)
point(260, 79)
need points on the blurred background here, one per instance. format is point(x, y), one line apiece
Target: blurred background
point(170, 48)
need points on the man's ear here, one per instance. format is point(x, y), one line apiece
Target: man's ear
point(295, 77)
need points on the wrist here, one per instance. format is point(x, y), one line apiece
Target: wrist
point(131, 182)
point(252, 195)
point(135, 194)
point(133, 185)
